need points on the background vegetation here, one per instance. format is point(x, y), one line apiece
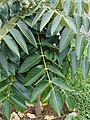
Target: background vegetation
point(43, 44)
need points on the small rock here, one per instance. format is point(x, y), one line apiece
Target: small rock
point(21, 115)
point(31, 115)
point(14, 116)
point(47, 117)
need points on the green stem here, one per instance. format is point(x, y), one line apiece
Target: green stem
point(43, 56)
point(9, 86)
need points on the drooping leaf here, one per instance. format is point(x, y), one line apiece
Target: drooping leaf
point(69, 23)
point(18, 101)
point(11, 68)
point(2, 97)
point(86, 23)
point(80, 7)
point(71, 102)
point(39, 89)
point(89, 52)
point(56, 101)
point(7, 108)
point(38, 15)
point(55, 70)
point(66, 66)
point(46, 18)
point(34, 74)
point(61, 83)
point(85, 67)
point(19, 39)
point(11, 44)
point(68, 6)
point(74, 62)
point(27, 32)
point(20, 90)
point(63, 54)
point(3, 62)
point(65, 39)
point(55, 24)
point(80, 45)
point(78, 20)
point(3, 85)
point(46, 94)
point(30, 62)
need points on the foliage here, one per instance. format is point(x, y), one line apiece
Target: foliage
point(40, 43)
point(83, 96)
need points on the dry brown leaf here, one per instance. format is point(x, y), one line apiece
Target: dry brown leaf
point(28, 104)
point(14, 116)
point(31, 115)
point(1, 118)
point(21, 115)
point(47, 117)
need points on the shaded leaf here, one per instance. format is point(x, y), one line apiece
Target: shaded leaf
point(78, 20)
point(3, 85)
point(71, 102)
point(80, 7)
point(30, 62)
point(39, 89)
point(68, 6)
point(66, 37)
point(11, 44)
point(56, 101)
point(19, 89)
point(38, 15)
point(19, 39)
point(61, 83)
point(46, 18)
point(89, 52)
point(2, 97)
point(56, 71)
point(18, 101)
point(27, 32)
point(86, 23)
point(80, 45)
point(74, 62)
point(7, 109)
point(69, 23)
point(85, 67)
point(55, 23)
point(3, 62)
point(34, 75)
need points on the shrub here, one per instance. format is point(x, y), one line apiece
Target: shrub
point(40, 43)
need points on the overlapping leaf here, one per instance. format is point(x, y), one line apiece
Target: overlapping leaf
point(19, 39)
point(27, 32)
point(39, 89)
point(80, 45)
point(46, 18)
point(30, 62)
point(11, 44)
point(61, 83)
point(34, 74)
point(38, 15)
point(65, 39)
point(55, 23)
